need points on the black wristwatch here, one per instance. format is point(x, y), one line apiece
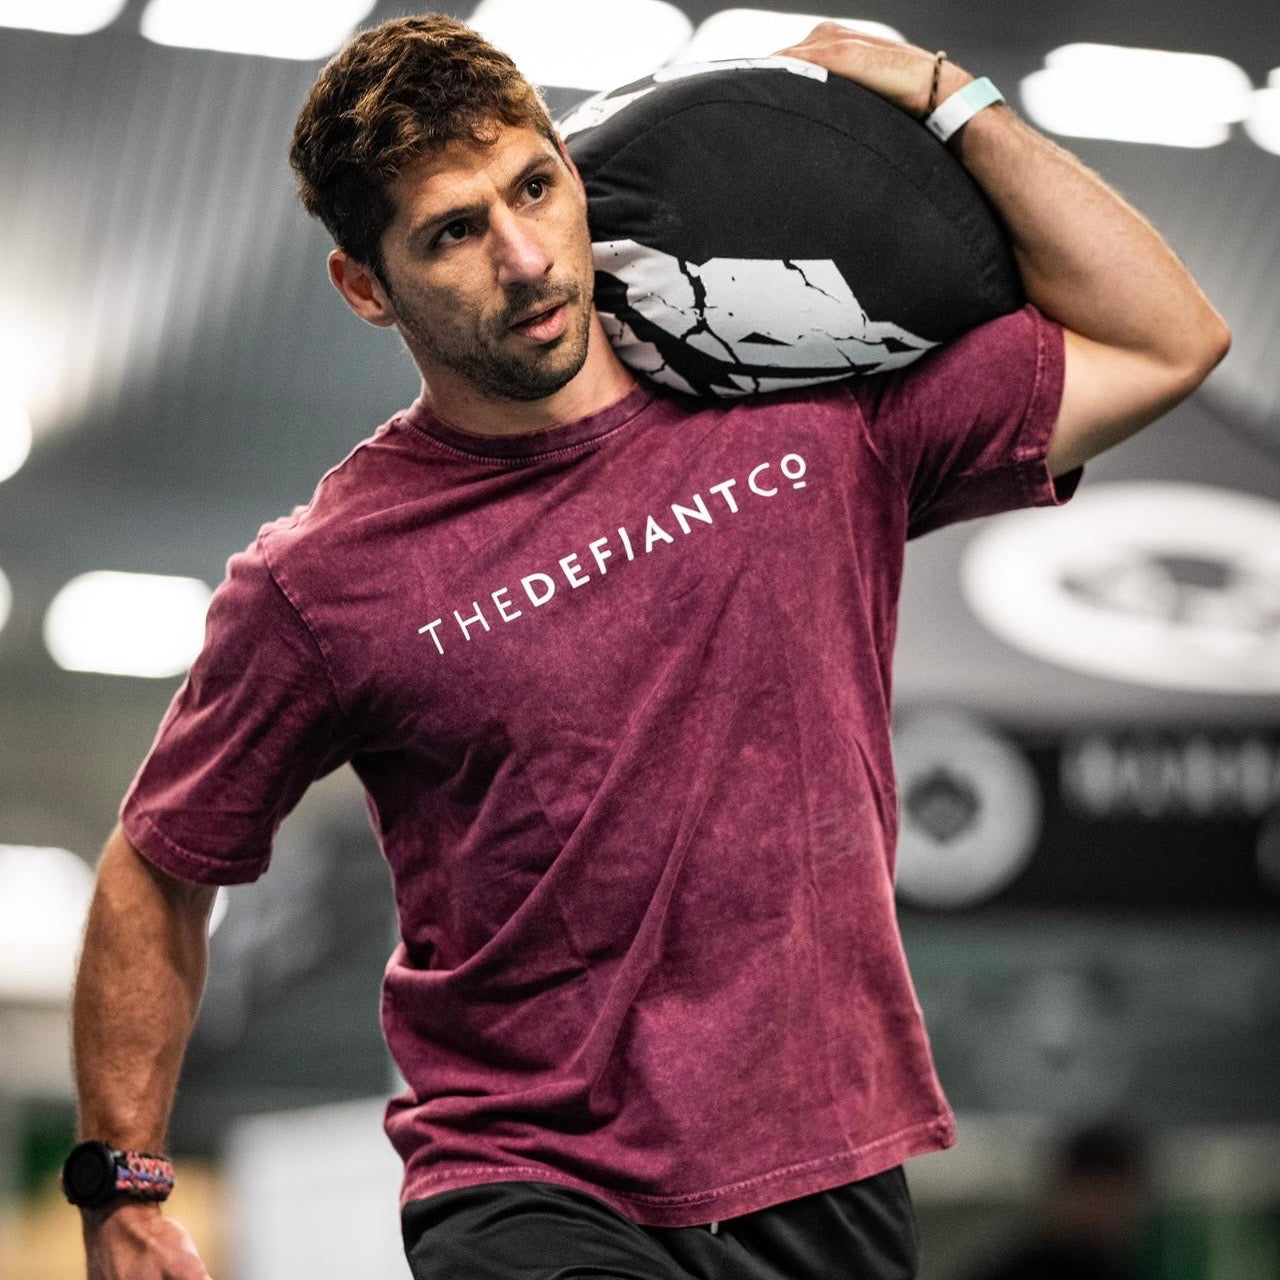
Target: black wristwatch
point(95, 1174)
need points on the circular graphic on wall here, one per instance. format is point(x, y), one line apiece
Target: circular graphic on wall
point(970, 810)
point(1176, 586)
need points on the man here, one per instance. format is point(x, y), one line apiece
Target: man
point(614, 671)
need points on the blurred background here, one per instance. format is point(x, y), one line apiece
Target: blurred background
point(1088, 701)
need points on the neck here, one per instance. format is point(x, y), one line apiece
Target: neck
point(602, 381)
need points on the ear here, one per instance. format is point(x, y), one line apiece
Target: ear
point(361, 289)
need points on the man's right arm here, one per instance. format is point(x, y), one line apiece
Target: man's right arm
point(137, 991)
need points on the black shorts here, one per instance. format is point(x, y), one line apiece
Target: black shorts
point(540, 1231)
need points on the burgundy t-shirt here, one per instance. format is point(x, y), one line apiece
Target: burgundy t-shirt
point(619, 694)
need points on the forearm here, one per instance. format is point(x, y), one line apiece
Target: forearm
point(137, 990)
point(1087, 258)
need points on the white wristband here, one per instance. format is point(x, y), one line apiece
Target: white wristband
point(961, 107)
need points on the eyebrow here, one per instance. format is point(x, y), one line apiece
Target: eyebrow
point(426, 229)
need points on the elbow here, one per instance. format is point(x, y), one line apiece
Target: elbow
point(1215, 342)
point(1203, 351)
point(128, 879)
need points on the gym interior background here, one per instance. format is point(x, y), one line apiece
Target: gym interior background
point(1088, 702)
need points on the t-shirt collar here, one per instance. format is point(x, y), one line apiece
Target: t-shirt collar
point(530, 444)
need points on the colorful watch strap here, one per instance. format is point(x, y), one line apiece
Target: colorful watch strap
point(143, 1176)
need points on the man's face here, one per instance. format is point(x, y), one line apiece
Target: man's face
point(488, 265)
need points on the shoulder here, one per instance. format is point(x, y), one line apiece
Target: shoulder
point(1011, 348)
point(832, 397)
point(361, 483)
point(823, 420)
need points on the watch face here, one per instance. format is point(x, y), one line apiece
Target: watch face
point(89, 1173)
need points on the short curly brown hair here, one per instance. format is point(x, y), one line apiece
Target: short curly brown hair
point(389, 96)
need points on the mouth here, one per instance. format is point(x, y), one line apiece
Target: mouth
point(543, 324)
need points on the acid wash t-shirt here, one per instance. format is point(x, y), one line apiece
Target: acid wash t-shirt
point(619, 694)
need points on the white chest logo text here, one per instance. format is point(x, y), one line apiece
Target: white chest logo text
point(643, 538)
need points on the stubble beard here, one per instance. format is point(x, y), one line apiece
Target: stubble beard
point(480, 358)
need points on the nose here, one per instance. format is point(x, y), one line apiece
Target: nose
point(520, 255)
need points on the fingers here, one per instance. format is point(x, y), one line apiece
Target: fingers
point(902, 73)
point(186, 1269)
point(836, 31)
point(147, 1249)
point(184, 1263)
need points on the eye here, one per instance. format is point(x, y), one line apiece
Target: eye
point(452, 234)
point(537, 187)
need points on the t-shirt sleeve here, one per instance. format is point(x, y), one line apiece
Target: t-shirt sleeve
point(253, 724)
point(965, 430)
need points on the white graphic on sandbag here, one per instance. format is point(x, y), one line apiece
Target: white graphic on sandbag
point(736, 326)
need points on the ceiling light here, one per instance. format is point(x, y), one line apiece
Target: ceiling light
point(15, 437)
point(44, 895)
point(1263, 122)
point(127, 624)
point(755, 33)
point(66, 17)
point(301, 29)
point(1137, 95)
point(612, 44)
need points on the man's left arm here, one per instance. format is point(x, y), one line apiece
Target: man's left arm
point(1140, 335)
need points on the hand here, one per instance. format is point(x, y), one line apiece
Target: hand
point(134, 1241)
point(902, 73)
